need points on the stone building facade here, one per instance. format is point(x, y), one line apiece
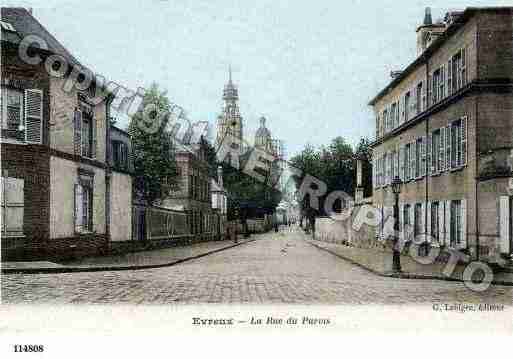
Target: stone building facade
point(444, 126)
point(194, 193)
point(53, 147)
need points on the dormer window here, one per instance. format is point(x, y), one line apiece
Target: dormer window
point(7, 26)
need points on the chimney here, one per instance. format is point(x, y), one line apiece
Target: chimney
point(394, 74)
point(220, 176)
point(427, 32)
point(30, 10)
point(428, 20)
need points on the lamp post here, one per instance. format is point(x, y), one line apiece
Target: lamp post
point(396, 254)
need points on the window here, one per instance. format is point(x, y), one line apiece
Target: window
point(12, 206)
point(456, 227)
point(87, 130)
point(120, 155)
point(417, 217)
point(435, 224)
point(438, 85)
point(407, 105)
point(395, 110)
point(393, 116)
point(441, 84)
point(12, 109)
point(84, 204)
point(22, 114)
point(458, 70)
point(435, 152)
point(393, 166)
point(419, 97)
point(418, 158)
point(458, 150)
point(437, 79)
point(385, 120)
point(84, 129)
point(378, 127)
point(407, 161)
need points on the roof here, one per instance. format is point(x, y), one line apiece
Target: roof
point(115, 128)
point(25, 24)
point(436, 44)
point(263, 132)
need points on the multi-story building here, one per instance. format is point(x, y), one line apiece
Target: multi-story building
point(219, 194)
point(193, 194)
point(53, 147)
point(444, 125)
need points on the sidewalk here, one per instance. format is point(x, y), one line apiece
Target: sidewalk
point(139, 260)
point(380, 263)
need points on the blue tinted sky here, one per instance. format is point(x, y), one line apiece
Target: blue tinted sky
point(310, 67)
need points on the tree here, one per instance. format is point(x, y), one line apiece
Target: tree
point(153, 150)
point(335, 166)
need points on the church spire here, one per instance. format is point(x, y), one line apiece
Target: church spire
point(230, 74)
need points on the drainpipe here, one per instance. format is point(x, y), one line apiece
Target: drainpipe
point(476, 149)
point(107, 170)
point(426, 187)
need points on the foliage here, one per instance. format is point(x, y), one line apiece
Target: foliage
point(153, 150)
point(335, 165)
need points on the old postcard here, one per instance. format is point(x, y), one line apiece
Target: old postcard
point(189, 167)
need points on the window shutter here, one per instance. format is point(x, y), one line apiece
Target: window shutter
point(422, 218)
point(441, 222)
point(443, 75)
point(396, 162)
point(441, 158)
point(412, 160)
point(413, 102)
point(448, 222)
point(448, 144)
point(77, 131)
point(411, 214)
point(463, 214)
point(423, 158)
point(33, 116)
point(378, 231)
point(429, 168)
point(424, 95)
point(93, 144)
point(504, 225)
point(390, 167)
point(373, 171)
point(463, 66)
point(401, 163)
point(428, 221)
point(464, 136)
point(78, 210)
point(401, 221)
point(449, 77)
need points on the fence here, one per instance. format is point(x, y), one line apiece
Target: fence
point(166, 224)
point(158, 224)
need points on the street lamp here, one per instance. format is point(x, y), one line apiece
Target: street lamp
point(396, 254)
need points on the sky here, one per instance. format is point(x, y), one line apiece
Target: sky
point(309, 67)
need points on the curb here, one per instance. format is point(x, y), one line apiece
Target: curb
point(404, 275)
point(113, 268)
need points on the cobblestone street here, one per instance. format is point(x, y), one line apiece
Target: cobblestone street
point(278, 268)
